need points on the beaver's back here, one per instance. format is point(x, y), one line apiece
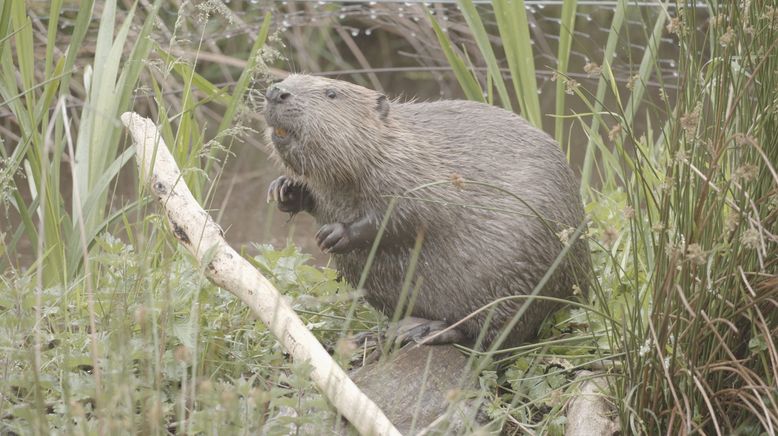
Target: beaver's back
point(487, 143)
point(481, 242)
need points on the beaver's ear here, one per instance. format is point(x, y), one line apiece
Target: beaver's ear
point(382, 106)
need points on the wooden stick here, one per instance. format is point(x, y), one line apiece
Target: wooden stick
point(195, 229)
point(589, 412)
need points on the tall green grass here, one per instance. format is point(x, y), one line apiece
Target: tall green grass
point(683, 220)
point(48, 139)
point(513, 30)
point(100, 334)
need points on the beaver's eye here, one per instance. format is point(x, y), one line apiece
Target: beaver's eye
point(330, 93)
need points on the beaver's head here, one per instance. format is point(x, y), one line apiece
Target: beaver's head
point(324, 128)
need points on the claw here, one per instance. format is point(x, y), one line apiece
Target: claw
point(285, 191)
point(270, 192)
point(290, 196)
point(277, 189)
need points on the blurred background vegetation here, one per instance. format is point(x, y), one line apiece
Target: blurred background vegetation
point(665, 109)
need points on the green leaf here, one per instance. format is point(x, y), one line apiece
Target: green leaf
point(513, 25)
point(482, 40)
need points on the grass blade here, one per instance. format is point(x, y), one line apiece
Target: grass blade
point(610, 50)
point(524, 57)
point(463, 74)
point(482, 40)
point(567, 27)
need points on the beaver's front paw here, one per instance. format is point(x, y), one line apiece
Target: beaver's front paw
point(292, 197)
point(334, 238)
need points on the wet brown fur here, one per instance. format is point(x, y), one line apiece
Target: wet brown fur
point(356, 151)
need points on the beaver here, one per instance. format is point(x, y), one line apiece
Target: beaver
point(485, 193)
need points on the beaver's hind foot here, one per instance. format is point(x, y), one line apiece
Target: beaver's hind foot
point(411, 329)
point(425, 331)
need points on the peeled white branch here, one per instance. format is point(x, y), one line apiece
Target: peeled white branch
point(204, 239)
point(590, 413)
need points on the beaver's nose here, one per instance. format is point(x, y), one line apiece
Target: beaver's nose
point(276, 94)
